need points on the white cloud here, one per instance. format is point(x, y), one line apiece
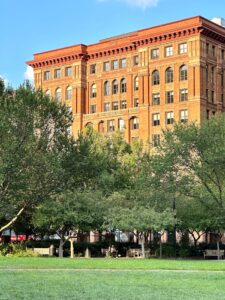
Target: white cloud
point(29, 74)
point(5, 79)
point(138, 3)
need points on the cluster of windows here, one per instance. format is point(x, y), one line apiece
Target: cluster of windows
point(111, 124)
point(58, 93)
point(169, 97)
point(108, 106)
point(169, 75)
point(169, 117)
point(169, 51)
point(68, 72)
point(115, 64)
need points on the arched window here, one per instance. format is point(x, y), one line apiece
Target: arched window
point(89, 125)
point(136, 83)
point(48, 93)
point(58, 94)
point(101, 126)
point(114, 87)
point(123, 85)
point(68, 93)
point(106, 88)
point(155, 77)
point(93, 90)
point(134, 123)
point(169, 75)
point(183, 72)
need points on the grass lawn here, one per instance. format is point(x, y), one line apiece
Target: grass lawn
point(113, 279)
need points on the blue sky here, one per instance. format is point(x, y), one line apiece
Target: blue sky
point(28, 26)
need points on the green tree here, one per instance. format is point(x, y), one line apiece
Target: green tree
point(34, 146)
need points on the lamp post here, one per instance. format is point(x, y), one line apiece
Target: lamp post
point(175, 222)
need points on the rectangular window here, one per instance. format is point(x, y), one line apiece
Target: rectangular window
point(123, 104)
point(207, 48)
point(115, 105)
point(57, 73)
point(47, 75)
point(136, 102)
point(68, 93)
point(111, 125)
point(155, 140)
point(134, 123)
point(212, 75)
point(106, 66)
point(222, 54)
point(183, 95)
point(156, 119)
point(123, 63)
point(115, 65)
point(155, 53)
point(184, 116)
point(169, 51)
point(213, 50)
point(183, 48)
point(169, 97)
point(212, 96)
point(169, 118)
point(121, 124)
point(136, 60)
point(156, 99)
point(107, 106)
point(93, 69)
point(93, 109)
point(68, 71)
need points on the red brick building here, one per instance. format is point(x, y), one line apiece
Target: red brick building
point(139, 82)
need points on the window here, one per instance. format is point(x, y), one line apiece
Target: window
point(121, 124)
point(183, 73)
point(156, 119)
point(48, 93)
point(169, 51)
point(222, 54)
point(135, 60)
point(58, 95)
point(115, 87)
point(213, 50)
point(115, 65)
point(94, 90)
point(93, 109)
point(123, 85)
point(183, 95)
point(213, 75)
point(156, 99)
point(115, 105)
point(169, 97)
point(111, 125)
point(68, 71)
point(183, 48)
point(106, 66)
point(57, 73)
point(136, 102)
point(134, 123)
point(155, 77)
point(106, 88)
point(123, 63)
point(207, 48)
point(136, 83)
point(107, 106)
point(155, 53)
point(184, 116)
point(212, 96)
point(156, 140)
point(47, 75)
point(169, 75)
point(68, 93)
point(169, 118)
point(93, 69)
point(123, 104)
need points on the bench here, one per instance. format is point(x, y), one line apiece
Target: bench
point(44, 251)
point(137, 253)
point(213, 253)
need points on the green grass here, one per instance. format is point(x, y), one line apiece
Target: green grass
point(112, 285)
point(113, 279)
point(100, 263)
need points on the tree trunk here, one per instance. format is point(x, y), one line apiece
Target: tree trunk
point(61, 243)
point(218, 248)
point(13, 220)
point(72, 247)
point(143, 245)
point(160, 246)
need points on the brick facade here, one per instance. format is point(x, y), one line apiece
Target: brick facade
point(139, 82)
